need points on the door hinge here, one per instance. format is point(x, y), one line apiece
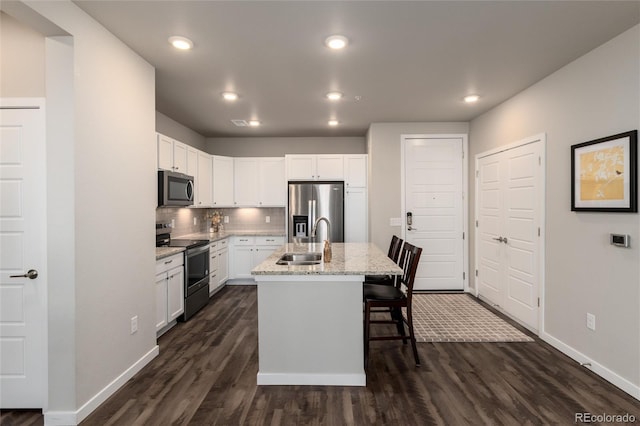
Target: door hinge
point(539, 160)
point(476, 223)
point(538, 231)
point(463, 235)
point(462, 154)
point(538, 302)
point(476, 272)
point(464, 276)
point(477, 173)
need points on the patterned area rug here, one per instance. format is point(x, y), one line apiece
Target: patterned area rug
point(459, 318)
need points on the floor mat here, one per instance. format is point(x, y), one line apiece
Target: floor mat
point(459, 318)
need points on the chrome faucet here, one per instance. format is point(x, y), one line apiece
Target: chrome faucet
point(315, 227)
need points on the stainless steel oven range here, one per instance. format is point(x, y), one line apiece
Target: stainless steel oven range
point(196, 270)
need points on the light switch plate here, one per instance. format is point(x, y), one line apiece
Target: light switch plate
point(591, 321)
point(226, 219)
point(267, 219)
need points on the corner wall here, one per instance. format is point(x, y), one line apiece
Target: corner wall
point(595, 96)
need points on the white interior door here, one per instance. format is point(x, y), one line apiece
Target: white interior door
point(433, 185)
point(510, 206)
point(22, 248)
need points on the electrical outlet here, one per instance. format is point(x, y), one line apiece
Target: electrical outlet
point(173, 223)
point(267, 219)
point(226, 219)
point(134, 324)
point(195, 221)
point(591, 321)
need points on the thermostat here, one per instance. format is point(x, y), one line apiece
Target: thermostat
point(620, 240)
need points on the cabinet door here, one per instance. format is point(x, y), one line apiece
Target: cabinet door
point(192, 161)
point(213, 267)
point(242, 262)
point(175, 293)
point(355, 170)
point(222, 181)
point(329, 167)
point(179, 157)
point(300, 167)
point(271, 182)
point(245, 182)
point(223, 266)
point(165, 152)
point(355, 215)
point(161, 300)
point(204, 180)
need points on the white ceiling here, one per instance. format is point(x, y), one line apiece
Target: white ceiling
point(407, 61)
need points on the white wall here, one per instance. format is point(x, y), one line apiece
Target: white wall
point(385, 166)
point(593, 97)
point(169, 127)
point(112, 117)
point(278, 147)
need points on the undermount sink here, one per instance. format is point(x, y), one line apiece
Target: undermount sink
point(300, 259)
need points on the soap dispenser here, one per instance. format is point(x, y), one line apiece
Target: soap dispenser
point(327, 252)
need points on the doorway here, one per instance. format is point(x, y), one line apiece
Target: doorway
point(434, 184)
point(23, 291)
point(509, 228)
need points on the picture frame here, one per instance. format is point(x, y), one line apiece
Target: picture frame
point(604, 174)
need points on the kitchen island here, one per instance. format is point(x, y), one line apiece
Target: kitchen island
point(310, 319)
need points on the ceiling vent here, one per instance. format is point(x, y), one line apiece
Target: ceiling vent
point(240, 123)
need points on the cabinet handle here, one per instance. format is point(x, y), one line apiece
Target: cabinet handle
point(168, 262)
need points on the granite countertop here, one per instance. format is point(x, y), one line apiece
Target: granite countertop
point(347, 259)
point(162, 252)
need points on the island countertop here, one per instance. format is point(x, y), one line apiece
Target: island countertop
point(347, 259)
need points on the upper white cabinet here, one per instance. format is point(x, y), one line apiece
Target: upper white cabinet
point(204, 180)
point(315, 167)
point(355, 215)
point(223, 181)
point(272, 186)
point(259, 182)
point(192, 161)
point(172, 154)
point(355, 170)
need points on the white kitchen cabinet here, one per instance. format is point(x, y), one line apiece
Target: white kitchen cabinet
point(169, 290)
point(315, 167)
point(223, 181)
point(248, 252)
point(172, 154)
point(272, 186)
point(218, 265)
point(192, 161)
point(355, 215)
point(245, 182)
point(259, 182)
point(204, 180)
point(355, 170)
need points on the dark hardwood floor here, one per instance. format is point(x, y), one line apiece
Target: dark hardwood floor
point(206, 374)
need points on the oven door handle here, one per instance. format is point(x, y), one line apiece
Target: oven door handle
point(197, 250)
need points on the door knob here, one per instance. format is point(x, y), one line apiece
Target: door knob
point(410, 228)
point(499, 239)
point(32, 274)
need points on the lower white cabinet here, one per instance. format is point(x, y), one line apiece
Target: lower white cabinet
point(169, 290)
point(247, 252)
point(218, 264)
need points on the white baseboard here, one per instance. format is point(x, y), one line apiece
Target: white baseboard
point(602, 371)
point(67, 418)
point(312, 379)
point(241, 281)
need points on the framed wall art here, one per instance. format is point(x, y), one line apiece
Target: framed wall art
point(604, 174)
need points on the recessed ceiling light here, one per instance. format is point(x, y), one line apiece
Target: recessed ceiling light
point(471, 99)
point(334, 96)
point(254, 123)
point(333, 122)
point(336, 42)
point(181, 43)
point(229, 96)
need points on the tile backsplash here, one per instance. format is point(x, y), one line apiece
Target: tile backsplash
point(240, 219)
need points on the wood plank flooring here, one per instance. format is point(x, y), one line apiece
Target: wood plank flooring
point(206, 374)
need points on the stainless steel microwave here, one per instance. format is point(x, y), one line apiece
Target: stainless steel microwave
point(174, 189)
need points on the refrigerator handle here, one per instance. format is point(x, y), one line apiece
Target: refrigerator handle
point(312, 215)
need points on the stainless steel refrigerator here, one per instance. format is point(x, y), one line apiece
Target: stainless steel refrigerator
point(311, 200)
